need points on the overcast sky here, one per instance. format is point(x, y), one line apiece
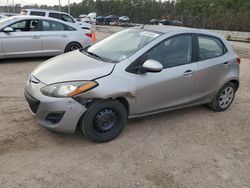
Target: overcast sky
point(39, 2)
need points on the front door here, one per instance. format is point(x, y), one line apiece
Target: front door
point(25, 40)
point(174, 84)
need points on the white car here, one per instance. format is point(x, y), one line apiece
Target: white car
point(124, 18)
point(57, 15)
point(32, 36)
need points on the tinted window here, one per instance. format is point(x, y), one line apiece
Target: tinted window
point(35, 13)
point(209, 47)
point(63, 17)
point(55, 26)
point(26, 25)
point(55, 15)
point(67, 18)
point(172, 52)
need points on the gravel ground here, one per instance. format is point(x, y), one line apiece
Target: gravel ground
point(192, 147)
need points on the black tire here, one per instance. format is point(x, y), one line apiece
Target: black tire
point(72, 46)
point(104, 120)
point(217, 103)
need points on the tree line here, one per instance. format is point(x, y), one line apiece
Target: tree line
point(210, 14)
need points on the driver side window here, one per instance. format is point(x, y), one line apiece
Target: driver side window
point(172, 52)
point(25, 25)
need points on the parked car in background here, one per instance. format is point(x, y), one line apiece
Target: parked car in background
point(133, 73)
point(165, 22)
point(90, 18)
point(30, 36)
point(84, 18)
point(57, 15)
point(100, 20)
point(176, 23)
point(111, 20)
point(154, 21)
point(124, 19)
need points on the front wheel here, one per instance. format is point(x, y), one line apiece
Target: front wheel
point(104, 120)
point(224, 98)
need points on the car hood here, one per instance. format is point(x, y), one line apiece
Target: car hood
point(71, 66)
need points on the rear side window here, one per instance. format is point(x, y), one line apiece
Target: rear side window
point(63, 17)
point(210, 47)
point(55, 15)
point(36, 13)
point(67, 18)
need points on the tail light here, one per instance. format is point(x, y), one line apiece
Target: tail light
point(238, 60)
point(88, 35)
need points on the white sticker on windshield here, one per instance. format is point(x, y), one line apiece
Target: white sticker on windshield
point(149, 34)
point(122, 57)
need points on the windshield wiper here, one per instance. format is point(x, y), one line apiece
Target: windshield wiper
point(94, 55)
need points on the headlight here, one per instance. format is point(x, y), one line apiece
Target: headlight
point(68, 89)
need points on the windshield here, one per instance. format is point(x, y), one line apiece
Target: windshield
point(121, 45)
point(5, 20)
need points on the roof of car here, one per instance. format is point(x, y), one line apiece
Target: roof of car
point(36, 17)
point(167, 29)
point(23, 17)
point(45, 10)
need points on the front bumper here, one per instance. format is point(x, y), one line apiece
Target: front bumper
point(58, 114)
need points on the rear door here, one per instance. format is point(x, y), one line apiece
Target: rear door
point(55, 37)
point(213, 67)
point(24, 41)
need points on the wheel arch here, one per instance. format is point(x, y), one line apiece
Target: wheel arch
point(125, 102)
point(121, 99)
point(72, 42)
point(236, 83)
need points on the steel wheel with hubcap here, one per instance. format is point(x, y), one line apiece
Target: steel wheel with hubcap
point(104, 120)
point(224, 98)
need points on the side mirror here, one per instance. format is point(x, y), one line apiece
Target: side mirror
point(152, 66)
point(8, 29)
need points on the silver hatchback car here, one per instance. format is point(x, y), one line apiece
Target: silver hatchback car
point(133, 73)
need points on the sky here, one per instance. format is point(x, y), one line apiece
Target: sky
point(39, 2)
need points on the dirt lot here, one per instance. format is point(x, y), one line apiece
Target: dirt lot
point(193, 147)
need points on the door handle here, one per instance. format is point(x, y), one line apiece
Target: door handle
point(226, 64)
point(188, 72)
point(36, 37)
point(64, 36)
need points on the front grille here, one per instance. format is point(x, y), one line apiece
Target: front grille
point(33, 103)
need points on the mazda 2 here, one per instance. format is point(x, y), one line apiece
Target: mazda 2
point(136, 72)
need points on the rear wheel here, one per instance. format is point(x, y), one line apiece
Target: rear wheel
point(104, 120)
point(224, 98)
point(72, 46)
